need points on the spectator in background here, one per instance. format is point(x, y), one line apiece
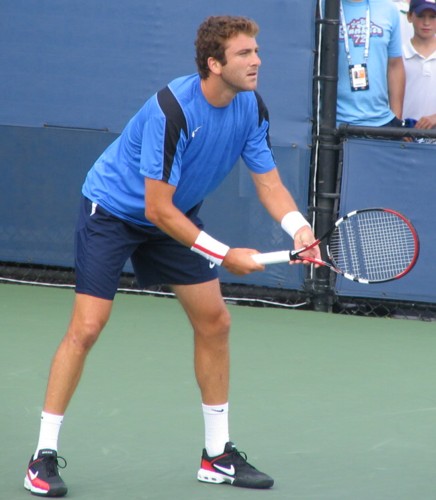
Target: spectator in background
point(371, 71)
point(419, 54)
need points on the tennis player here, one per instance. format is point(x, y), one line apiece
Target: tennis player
point(141, 201)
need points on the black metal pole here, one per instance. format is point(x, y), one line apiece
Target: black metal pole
point(325, 183)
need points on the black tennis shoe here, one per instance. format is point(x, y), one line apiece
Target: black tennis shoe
point(42, 478)
point(232, 467)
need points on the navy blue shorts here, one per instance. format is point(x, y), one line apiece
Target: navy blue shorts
point(104, 243)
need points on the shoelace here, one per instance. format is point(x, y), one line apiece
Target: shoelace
point(240, 458)
point(52, 464)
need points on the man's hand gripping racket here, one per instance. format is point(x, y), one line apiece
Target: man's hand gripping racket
point(371, 245)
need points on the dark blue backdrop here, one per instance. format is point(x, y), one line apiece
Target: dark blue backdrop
point(401, 176)
point(91, 64)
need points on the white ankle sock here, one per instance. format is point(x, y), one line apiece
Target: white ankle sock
point(49, 432)
point(216, 426)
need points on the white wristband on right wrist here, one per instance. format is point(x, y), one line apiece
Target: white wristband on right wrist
point(210, 248)
point(292, 222)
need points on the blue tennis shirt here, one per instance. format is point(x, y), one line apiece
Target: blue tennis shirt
point(179, 138)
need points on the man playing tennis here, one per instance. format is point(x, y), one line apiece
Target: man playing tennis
point(140, 201)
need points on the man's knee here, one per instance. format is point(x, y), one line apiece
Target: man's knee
point(85, 332)
point(224, 321)
point(217, 325)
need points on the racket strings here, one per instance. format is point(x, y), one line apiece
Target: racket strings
point(373, 245)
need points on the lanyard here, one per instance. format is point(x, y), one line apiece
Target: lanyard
point(367, 34)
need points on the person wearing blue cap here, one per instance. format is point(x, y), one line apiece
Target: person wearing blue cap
point(419, 55)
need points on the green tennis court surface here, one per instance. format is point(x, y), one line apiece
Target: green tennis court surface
point(333, 407)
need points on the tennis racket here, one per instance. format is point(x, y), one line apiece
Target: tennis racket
point(371, 245)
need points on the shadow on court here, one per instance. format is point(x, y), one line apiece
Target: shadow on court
point(332, 407)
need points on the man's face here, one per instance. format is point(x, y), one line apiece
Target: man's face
point(241, 70)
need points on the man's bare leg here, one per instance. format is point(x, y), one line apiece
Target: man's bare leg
point(90, 315)
point(210, 320)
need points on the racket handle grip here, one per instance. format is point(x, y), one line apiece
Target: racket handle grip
point(272, 257)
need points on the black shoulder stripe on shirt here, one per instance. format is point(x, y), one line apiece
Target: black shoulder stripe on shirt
point(263, 115)
point(174, 124)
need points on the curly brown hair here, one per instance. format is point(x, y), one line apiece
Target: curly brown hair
point(212, 35)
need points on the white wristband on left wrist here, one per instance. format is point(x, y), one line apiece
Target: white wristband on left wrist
point(292, 222)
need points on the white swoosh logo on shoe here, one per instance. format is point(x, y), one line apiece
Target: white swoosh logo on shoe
point(33, 475)
point(227, 470)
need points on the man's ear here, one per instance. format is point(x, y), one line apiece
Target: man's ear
point(214, 66)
